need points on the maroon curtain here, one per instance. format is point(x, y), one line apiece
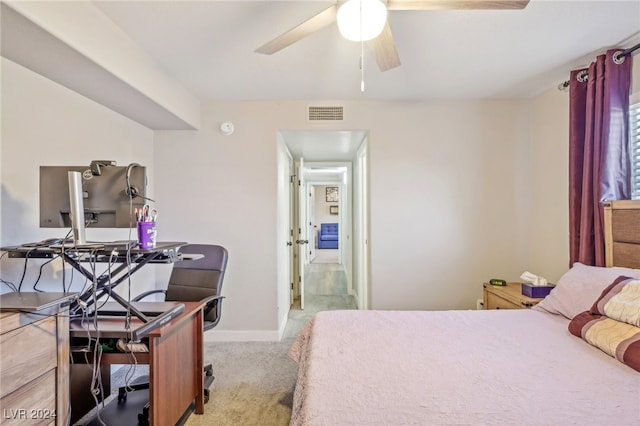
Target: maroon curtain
point(599, 167)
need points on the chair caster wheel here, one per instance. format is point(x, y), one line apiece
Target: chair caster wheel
point(142, 420)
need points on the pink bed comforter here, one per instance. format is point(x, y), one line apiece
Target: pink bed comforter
point(509, 367)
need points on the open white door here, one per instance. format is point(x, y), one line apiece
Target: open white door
point(302, 240)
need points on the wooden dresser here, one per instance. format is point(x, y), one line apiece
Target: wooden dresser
point(506, 297)
point(34, 365)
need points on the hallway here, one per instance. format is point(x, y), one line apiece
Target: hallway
point(325, 290)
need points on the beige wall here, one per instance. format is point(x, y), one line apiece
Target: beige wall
point(549, 229)
point(459, 191)
point(321, 214)
point(449, 201)
point(44, 123)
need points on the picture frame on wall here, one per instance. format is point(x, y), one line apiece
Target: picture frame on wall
point(331, 194)
point(333, 209)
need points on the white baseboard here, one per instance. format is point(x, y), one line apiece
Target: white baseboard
point(248, 335)
point(243, 335)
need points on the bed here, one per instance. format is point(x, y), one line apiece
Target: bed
point(556, 364)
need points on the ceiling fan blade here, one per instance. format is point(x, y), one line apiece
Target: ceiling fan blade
point(319, 21)
point(455, 4)
point(385, 49)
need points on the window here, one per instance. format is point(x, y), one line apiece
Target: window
point(634, 141)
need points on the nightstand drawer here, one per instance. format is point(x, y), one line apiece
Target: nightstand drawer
point(507, 297)
point(497, 302)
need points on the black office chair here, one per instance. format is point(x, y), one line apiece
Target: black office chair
point(199, 279)
point(195, 278)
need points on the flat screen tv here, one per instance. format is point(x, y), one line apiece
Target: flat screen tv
point(108, 200)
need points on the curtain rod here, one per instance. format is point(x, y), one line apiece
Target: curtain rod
point(629, 51)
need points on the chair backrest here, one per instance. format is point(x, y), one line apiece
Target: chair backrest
point(193, 280)
point(329, 228)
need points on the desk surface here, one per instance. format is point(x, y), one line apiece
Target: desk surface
point(34, 301)
point(114, 326)
point(147, 308)
point(97, 248)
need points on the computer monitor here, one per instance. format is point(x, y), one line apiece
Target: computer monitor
point(110, 193)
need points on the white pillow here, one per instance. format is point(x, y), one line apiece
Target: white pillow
point(580, 287)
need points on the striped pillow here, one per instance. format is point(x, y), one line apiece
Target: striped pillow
point(616, 338)
point(613, 322)
point(620, 301)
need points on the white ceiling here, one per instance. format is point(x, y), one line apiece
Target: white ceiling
point(323, 145)
point(208, 46)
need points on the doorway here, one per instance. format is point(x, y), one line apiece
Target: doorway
point(327, 186)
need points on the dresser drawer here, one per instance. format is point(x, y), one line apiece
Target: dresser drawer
point(27, 353)
point(32, 404)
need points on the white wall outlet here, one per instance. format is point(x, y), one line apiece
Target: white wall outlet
point(479, 304)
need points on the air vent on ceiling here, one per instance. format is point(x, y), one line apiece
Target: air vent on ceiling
point(325, 113)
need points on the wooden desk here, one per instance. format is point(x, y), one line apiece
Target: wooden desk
point(175, 358)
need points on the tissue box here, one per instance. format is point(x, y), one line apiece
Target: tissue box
point(536, 291)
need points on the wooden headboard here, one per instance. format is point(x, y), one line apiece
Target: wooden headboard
point(622, 233)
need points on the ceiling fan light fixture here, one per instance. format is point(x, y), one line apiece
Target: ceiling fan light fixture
point(371, 14)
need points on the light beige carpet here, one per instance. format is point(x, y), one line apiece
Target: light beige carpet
point(245, 404)
point(254, 384)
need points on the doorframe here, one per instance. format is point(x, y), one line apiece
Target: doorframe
point(345, 223)
point(361, 231)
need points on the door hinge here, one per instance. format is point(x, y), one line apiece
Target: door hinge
point(291, 286)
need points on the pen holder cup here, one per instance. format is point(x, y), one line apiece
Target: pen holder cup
point(146, 235)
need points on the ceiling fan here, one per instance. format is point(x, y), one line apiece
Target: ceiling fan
point(382, 42)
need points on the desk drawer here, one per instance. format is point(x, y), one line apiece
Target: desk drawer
point(27, 353)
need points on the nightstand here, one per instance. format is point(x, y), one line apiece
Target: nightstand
point(506, 297)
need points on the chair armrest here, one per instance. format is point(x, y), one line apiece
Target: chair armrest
point(210, 303)
point(147, 293)
point(210, 299)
